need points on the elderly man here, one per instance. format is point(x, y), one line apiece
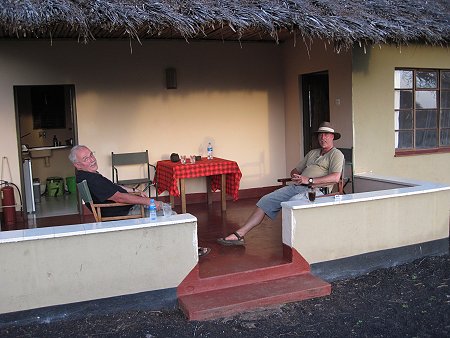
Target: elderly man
point(323, 165)
point(103, 190)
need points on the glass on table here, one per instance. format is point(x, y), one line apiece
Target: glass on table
point(183, 159)
point(192, 159)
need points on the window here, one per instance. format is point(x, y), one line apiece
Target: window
point(422, 110)
point(48, 107)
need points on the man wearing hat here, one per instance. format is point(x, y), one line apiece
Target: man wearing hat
point(322, 165)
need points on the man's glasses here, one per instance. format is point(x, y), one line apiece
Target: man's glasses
point(88, 158)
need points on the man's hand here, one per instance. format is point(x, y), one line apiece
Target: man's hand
point(139, 193)
point(299, 179)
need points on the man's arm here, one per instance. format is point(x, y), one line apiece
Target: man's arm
point(300, 179)
point(134, 191)
point(330, 178)
point(123, 197)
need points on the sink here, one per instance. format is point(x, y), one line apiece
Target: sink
point(37, 152)
point(40, 152)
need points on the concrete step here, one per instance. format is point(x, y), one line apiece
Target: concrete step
point(226, 295)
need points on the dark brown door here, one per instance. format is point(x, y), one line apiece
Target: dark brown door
point(316, 108)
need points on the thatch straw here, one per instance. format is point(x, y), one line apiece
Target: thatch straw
point(343, 22)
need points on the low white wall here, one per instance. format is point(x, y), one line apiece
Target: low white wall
point(367, 222)
point(65, 264)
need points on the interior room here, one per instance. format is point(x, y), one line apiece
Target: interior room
point(45, 115)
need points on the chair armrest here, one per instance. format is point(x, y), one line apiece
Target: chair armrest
point(108, 205)
point(151, 165)
point(154, 171)
point(284, 181)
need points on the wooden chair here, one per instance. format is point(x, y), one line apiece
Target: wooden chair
point(338, 188)
point(96, 209)
point(128, 159)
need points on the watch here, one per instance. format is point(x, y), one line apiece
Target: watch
point(311, 180)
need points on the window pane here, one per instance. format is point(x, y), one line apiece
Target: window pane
point(445, 119)
point(445, 99)
point(403, 119)
point(403, 79)
point(403, 139)
point(403, 99)
point(426, 79)
point(426, 119)
point(445, 80)
point(426, 138)
point(425, 99)
point(445, 137)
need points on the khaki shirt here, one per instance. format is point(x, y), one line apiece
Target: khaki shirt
point(314, 165)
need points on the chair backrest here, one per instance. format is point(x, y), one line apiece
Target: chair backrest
point(84, 192)
point(125, 159)
point(129, 158)
point(348, 174)
point(348, 154)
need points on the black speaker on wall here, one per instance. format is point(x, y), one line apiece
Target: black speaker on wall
point(171, 78)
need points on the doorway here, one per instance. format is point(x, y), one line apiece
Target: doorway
point(316, 108)
point(46, 130)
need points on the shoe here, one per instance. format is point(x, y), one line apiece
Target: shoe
point(203, 251)
point(230, 242)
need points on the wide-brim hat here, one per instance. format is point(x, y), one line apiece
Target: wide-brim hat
point(326, 127)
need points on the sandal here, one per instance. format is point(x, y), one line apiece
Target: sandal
point(203, 251)
point(230, 242)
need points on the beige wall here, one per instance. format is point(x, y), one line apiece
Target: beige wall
point(111, 262)
point(374, 225)
point(373, 111)
point(299, 59)
point(227, 93)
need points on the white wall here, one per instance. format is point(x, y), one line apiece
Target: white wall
point(227, 93)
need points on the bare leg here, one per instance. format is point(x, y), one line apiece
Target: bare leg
point(255, 218)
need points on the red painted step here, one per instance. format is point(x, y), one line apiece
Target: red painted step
point(230, 301)
point(222, 296)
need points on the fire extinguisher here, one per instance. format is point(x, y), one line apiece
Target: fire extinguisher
point(8, 206)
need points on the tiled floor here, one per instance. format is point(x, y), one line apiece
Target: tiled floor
point(263, 244)
point(56, 206)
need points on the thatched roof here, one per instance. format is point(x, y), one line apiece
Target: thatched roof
point(342, 22)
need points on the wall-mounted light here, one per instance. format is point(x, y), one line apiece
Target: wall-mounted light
point(171, 78)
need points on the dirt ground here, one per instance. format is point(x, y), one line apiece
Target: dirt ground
point(411, 300)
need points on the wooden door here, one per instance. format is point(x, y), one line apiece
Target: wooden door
point(316, 108)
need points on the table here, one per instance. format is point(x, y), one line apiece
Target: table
point(220, 173)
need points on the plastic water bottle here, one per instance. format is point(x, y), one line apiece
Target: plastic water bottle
point(152, 208)
point(210, 151)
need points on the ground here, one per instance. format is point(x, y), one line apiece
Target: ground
point(411, 300)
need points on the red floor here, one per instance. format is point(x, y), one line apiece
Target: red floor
point(263, 246)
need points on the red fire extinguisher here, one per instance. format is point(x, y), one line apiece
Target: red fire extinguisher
point(8, 206)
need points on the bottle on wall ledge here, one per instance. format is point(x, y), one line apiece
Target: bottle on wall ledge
point(152, 208)
point(210, 151)
point(55, 141)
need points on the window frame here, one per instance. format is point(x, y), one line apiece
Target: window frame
point(414, 89)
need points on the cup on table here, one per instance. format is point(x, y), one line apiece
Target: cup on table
point(311, 194)
point(167, 209)
point(192, 159)
point(183, 159)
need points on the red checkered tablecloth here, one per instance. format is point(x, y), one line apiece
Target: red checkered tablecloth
point(168, 173)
